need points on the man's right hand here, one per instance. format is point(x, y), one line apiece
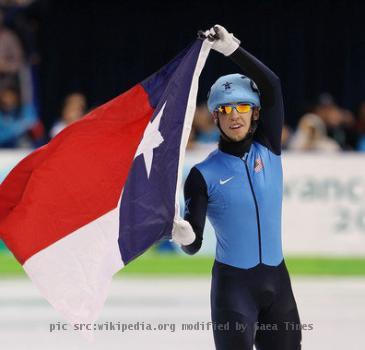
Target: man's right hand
point(182, 232)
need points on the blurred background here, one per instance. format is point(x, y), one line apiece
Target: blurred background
point(61, 59)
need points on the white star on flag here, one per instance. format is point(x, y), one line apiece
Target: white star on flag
point(152, 139)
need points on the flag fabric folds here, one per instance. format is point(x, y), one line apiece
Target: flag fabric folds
point(77, 210)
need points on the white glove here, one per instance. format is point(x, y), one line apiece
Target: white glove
point(224, 42)
point(182, 232)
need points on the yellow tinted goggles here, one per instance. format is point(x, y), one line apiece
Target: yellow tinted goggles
point(240, 108)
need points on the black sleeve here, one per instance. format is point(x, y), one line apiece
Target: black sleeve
point(196, 203)
point(272, 113)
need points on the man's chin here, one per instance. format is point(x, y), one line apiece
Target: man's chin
point(237, 138)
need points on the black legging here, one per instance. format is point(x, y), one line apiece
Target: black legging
point(254, 306)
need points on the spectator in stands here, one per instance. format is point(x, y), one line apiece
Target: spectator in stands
point(19, 124)
point(11, 55)
point(205, 129)
point(24, 21)
point(339, 122)
point(311, 136)
point(74, 108)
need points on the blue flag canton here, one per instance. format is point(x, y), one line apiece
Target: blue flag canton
point(148, 204)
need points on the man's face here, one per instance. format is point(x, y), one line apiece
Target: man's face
point(236, 125)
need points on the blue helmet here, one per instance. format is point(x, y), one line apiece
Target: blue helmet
point(233, 88)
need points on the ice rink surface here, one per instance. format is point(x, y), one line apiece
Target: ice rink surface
point(335, 307)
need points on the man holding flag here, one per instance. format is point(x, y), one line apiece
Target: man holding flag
point(125, 160)
point(239, 187)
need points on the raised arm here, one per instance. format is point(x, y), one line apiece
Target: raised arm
point(272, 112)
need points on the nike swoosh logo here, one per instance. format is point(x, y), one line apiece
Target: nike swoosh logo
point(222, 182)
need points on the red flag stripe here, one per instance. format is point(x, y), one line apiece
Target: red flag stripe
point(76, 178)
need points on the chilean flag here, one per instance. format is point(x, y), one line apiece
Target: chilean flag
point(75, 211)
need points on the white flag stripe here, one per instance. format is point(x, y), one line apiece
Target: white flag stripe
point(189, 116)
point(74, 274)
